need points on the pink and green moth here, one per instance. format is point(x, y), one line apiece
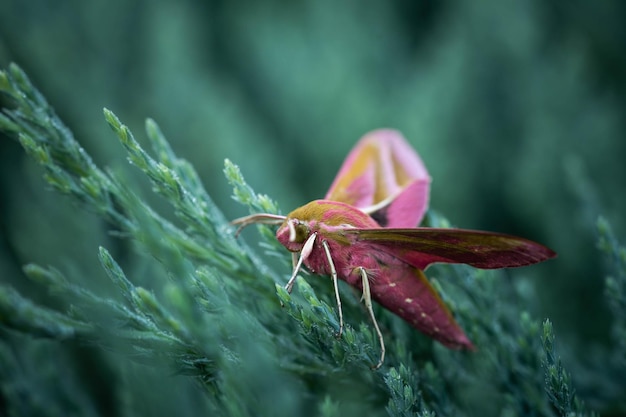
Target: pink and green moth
point(365, 232)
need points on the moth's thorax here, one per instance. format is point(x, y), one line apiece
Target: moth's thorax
point(333, 214)
point(323, 217)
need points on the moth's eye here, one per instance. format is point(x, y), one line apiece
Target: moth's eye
point(298, 232)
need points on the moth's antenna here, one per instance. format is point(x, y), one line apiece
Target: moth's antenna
point(263, 218)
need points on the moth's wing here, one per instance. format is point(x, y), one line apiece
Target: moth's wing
point(384, 177)
point(408, 293)
point(405, 209)
point(423, 246)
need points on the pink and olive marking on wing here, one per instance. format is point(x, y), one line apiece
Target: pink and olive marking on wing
point(384, 177)
point(421, 247)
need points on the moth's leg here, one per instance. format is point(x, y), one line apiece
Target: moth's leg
point(367, 298)
point(304, 253)
point(294, 260)
point(333, 274)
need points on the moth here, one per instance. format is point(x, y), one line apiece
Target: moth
point(365, 233)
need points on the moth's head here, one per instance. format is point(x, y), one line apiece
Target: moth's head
point(293, 233)
point(329, 218)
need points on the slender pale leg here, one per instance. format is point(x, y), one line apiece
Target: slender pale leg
point(304, 253)
point(367, 299)
point(333, 274)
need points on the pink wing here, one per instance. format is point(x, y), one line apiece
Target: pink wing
point(423, 246)
point(384, 177)
point(407, 293)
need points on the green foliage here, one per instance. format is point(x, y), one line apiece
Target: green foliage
point(497, 96)
point(558, 382)
point(203, 316)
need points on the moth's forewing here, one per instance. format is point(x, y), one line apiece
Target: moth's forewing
point(422, 246)
point(384, 177)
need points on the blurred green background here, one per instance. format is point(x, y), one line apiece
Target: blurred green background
point(516, 107)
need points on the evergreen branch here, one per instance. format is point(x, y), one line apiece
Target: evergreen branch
point(319, 326)
point(244, 194)
point(404, 400)
point(172, 178)
point(511, 357)
point(68, 168)
point(71, 171)
point(21, 314)
point(558, 383)
point(144, 323)
point(144, 328)
point(33, 117)
point(256, 203)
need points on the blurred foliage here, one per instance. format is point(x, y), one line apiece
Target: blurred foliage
point(517, 108)
point(210, 316)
